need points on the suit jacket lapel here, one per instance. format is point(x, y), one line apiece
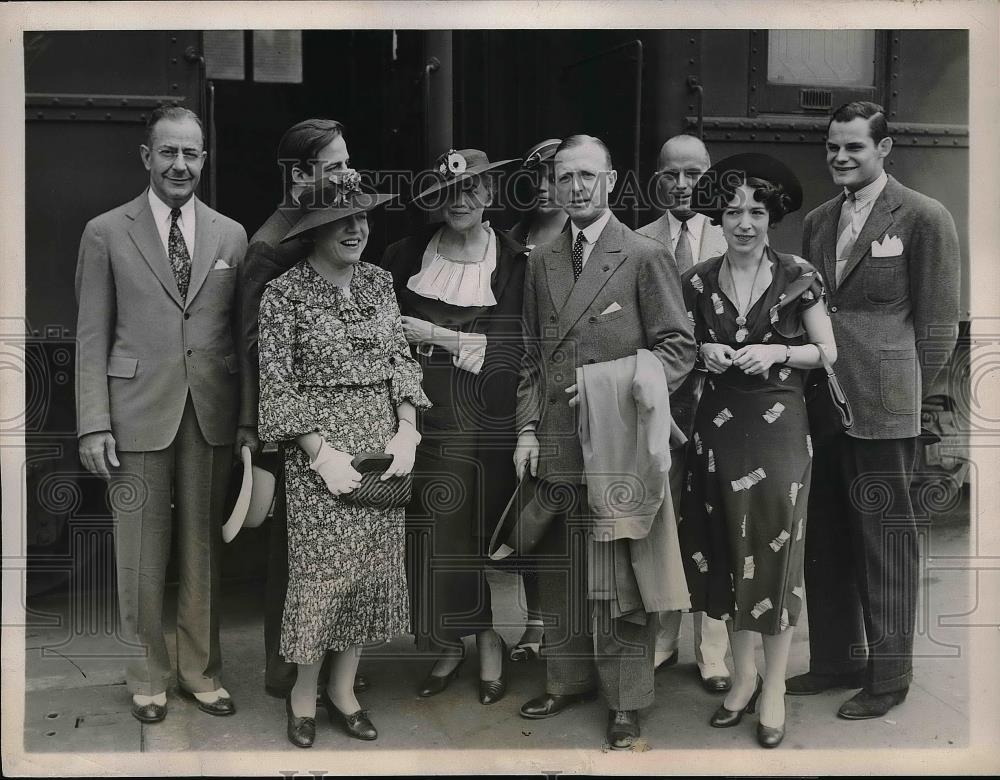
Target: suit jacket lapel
point(559, 270)
point(828, 241)
point(878, 222)
point(206, 241)
point(147, 240)
point(604, 260)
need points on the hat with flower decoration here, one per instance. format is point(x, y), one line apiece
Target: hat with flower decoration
point(333, 198)
point(455, 166)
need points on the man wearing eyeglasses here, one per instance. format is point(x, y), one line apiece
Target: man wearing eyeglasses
point(159, 405)
point(691, 238)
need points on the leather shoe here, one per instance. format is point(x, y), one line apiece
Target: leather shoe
point(434, 684)
point(770, 736)
point(301, 731)
point(670, 660)
point(623, 728)
point(550, 704)
point(811, 683)
point(866, 705)
point(149, 713)
point(492, 691)
point(355, 724)
point(221, 707)
point(717, 684)
point(724, 718)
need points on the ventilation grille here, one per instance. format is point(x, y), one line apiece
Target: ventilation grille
point(816, 98)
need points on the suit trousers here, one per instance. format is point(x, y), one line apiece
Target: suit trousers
point(194, 474)
point(862, 561)
point(584, 645)
point(711, 639)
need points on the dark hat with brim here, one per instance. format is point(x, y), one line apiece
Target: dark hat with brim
point(528, 515)
point(455, 166)
point(540, 153)
point(334, 199)
point(716, 186)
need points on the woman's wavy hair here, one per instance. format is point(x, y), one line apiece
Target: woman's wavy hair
point(771, 194)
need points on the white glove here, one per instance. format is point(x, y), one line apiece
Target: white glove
point(335, 468)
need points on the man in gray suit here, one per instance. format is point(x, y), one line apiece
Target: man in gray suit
point(890, 258)
point(158, 404)
point(597, 293)
point(691, 238)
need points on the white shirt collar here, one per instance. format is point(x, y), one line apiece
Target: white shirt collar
point(695, 224)
point(161, 211)
point(593, 231)
point(869, 192)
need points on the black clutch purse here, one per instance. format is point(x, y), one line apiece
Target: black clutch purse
point(827, 406)
point(372, 491)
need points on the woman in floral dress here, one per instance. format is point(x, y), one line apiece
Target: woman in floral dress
point(758, 315)
point(337, 379)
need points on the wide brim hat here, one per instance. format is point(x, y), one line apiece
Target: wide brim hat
point(540, 153)
point(251, 502)
point(457, 165)
point(332, 199)
point(527, 516)
point(716, 186)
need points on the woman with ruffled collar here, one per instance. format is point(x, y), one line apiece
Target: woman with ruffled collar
point(460, 285)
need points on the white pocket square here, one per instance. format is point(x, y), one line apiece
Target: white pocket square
point(612, 309)
point(890, 247)
point(220, 265)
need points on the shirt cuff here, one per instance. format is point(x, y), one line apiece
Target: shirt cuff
point(471, 352)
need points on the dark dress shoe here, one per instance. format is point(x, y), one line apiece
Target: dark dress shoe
point(811, 683)
point(149, 713)
point(356, 724)
point(670, 660)
point(301, 731)
point(551, 704)
point(361, 683)
point(717, 684)
point(220, 707)
point(724, 718)
point(491, 691)
point(623, 728)
point(770, 736)
point(865, 705)
point(434, 684)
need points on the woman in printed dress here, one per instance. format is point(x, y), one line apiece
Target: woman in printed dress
point(460, 286)
point(337, 379)
point(758, 316)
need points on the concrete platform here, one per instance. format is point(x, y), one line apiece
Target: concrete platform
point(75, 698)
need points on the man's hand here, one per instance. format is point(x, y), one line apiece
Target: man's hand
point(246, 435)
point(574, 395)
point(96, 451)
point(526, 454)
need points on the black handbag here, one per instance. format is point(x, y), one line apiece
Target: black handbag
point(827, 406)
point(373, 491)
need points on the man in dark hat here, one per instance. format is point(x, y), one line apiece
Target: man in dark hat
point(159, 404)
point(597, 293)
point(890, 258)
point(691, 238)
point(308, 151)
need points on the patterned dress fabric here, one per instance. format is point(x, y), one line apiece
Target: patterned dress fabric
point(743, 506)
point(337, 364)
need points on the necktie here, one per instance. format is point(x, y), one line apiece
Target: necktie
point(846, 233)
point(682, 253)
point(180, 260)
point(578, 255)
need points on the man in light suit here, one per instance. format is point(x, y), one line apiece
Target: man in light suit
point(890, 258)
point(597, 293)
point(158, 404)
point(691, 238)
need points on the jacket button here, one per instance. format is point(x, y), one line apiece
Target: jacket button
point(187, 315)
point(591, 360)
point(552, 318)
point(833, 309)
point(593, 319)
point(558, 377)
point(189, 352)
point(552, 400)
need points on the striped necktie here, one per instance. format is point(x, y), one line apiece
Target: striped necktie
point(847, 233)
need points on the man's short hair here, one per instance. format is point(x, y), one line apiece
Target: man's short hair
point(863, 109)
point(303, 141)
point(172, 114)
point(582, 139)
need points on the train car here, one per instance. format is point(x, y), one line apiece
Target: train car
point(405, 95)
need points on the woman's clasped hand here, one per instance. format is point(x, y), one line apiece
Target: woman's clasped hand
point(334, 466)
point(751, 359)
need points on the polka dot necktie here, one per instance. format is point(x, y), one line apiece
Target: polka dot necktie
point(180, 260)
point(578, 255)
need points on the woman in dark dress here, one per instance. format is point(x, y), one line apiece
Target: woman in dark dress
point(759, 315)
point(460, 286)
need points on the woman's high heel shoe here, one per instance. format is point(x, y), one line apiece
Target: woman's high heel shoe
point(770, 736)
point(434, 684)
point(301, 731)
point(491, 691)
point(724, 718)
point(356, 724)
point(527, 651)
